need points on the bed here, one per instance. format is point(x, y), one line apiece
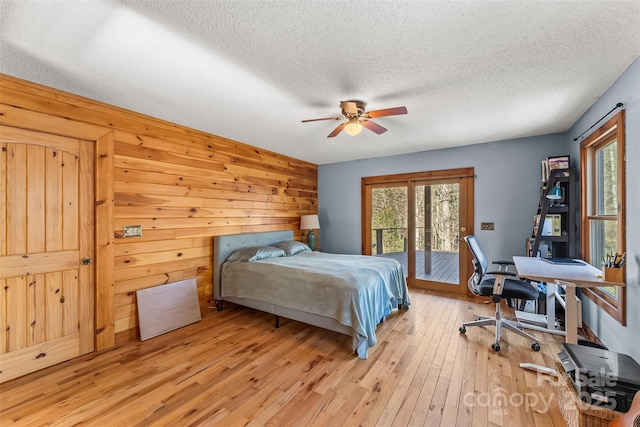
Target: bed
point(349, 294)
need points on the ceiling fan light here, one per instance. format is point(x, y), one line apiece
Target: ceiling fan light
point(354, 127)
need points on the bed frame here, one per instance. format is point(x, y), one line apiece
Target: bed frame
point(223, 246)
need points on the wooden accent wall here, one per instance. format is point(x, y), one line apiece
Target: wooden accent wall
point(182, 185)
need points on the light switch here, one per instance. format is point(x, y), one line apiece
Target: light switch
point(488, 226)
point(132, 231)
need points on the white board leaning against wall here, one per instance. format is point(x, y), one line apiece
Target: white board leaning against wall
point(167, 307)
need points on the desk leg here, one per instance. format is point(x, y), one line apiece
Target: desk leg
point(552, 288)
point(571, 313)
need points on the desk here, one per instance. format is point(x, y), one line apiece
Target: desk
point(569, 276)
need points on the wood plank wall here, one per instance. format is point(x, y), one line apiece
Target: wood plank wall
point(182, 185)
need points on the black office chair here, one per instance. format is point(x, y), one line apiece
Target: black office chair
point(498, 288)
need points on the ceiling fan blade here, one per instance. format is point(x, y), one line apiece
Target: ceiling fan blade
point(373, 126)
point(349, 107)
point(387, 112)
point(326, 118)
point(337, 130)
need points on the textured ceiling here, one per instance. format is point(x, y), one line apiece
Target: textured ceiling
point(468, 72)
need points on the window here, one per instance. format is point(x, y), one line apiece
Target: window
point(602, 173)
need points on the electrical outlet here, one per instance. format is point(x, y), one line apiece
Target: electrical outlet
point(132, 231)
point(487, 226)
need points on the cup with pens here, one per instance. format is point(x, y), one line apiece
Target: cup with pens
point(614, 266)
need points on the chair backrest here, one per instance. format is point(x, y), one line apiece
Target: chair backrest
point(479, 264)
point(478, 255)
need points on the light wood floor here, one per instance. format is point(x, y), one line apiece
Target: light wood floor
point(235, 368)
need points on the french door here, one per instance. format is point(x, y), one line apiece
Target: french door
point(420, 219)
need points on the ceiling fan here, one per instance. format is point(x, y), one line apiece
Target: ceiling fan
point(356, 117)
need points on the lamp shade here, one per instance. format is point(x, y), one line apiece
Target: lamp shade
point(309, 222)
point(555, 193)
point(353, 127)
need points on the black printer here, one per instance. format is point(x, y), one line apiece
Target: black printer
point(601, 377)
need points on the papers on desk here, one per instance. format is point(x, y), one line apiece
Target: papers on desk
point(562, 261)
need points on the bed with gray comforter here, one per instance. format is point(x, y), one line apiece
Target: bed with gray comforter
point(350, 294)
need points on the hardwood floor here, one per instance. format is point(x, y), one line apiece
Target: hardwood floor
point(234, 368)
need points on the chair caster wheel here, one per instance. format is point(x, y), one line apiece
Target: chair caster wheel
point(535, 346)
point(495, 347)
point(462, 330)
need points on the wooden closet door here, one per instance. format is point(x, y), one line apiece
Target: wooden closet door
point(46, 250)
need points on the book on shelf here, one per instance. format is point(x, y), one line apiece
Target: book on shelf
point(552, 225)
point(544, 170)
point(560, 162)
point(554, 164)
point(545, 248)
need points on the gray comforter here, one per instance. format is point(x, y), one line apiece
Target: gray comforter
point(356, 290)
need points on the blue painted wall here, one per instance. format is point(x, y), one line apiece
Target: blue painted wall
point(507, 188)
point(624, 339)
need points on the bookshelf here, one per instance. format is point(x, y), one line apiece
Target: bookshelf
point(554, 224)
point(554, 235)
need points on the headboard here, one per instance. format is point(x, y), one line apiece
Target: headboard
point(223, 246)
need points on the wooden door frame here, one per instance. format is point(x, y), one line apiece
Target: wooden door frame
point(405, 178)
point(101, 332)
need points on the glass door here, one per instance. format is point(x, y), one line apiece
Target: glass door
point(437, 234)
point(419, 220)
point(390, 221)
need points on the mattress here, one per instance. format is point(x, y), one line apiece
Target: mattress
point(355, 290)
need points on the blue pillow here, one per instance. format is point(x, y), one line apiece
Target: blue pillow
point(292, 247)
point(256, 253)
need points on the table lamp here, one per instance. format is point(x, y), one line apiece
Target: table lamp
point(555, 194)
point(310, 222)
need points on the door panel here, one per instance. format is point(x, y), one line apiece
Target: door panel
point(438, 232)
point(36, 310)
point(46, 199)
point(35, 201)
point(389, 220)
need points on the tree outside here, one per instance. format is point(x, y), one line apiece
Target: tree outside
point(389, 219)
